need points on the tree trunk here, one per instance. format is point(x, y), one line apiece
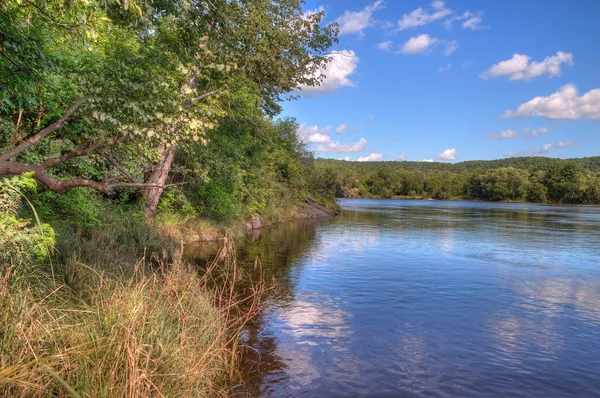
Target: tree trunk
point(158, 178)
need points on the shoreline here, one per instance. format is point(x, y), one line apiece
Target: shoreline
point(476, 200)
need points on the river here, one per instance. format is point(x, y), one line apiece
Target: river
point(400, 298)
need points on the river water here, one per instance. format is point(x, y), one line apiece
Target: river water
point(397, 298)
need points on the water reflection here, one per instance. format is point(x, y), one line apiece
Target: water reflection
point(444, 299)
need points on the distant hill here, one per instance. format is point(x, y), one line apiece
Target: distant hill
point(591, 163)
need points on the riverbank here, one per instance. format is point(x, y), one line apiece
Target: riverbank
point(157, 327)
point(117, 311)
point(203, 230)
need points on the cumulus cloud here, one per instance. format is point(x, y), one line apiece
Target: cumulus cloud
point(535, 133)
point(314, 135)
point(347, 158)
point(401, 157)
point(384, 45)
point(506, 134)
point(563, 104)
point(470, 20)
point(448, 154)
point(520, 67)
point(318, 138)
point(424, 44)
point(445, 68)
point(337, 73)
point(427, 160)
point(374, 157)
point(420, 17)
point(355, 22)
point(337, 147)
point(419, 44)
point(341, 129)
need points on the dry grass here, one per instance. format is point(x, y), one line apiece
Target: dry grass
point(172, 332)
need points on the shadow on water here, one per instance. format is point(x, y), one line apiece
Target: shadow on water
point(273, 255)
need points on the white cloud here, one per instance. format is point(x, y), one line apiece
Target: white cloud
point(564, 144)
point(438, 5)
point(427, 160)
point(314, 135)
point(448, 154)
point(384, 45)
point(341, 129)
point(546, 148)
point(451, 46)
point(535, 133)
point(419, 44)
point(318, 138)
point(420, 17)
point(401, 157)
point(310, 13)
point(371, 158)
point(355, 22)
point(424, 43)
point(445, 68)
point(563, 104)
point(347, 158)
point(473, 22)
point(470, 20)
point(336, 147)
point(519, 67)
point(337, 73)
point(506, 134)
point(304, 130)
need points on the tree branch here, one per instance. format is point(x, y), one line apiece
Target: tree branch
point(112, 160)
point(61, 186)
point(42, 133)
point(81, 150)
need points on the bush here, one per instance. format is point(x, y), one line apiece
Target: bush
point(22, 241)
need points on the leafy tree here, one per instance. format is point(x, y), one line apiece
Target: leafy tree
point(112, 89)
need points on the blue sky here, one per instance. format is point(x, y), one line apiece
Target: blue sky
point(456, 80)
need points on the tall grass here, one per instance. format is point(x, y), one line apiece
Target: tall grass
point(166, 329)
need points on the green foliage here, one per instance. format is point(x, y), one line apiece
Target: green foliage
point(175, 204)
point(156, 74)
point(501, 184)
point(78, 206)
point(218, 199)
point(22, 241)
point(534, 179)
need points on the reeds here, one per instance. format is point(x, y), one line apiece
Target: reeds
point(169, 330)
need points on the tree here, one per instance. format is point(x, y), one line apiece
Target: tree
point(140, 78)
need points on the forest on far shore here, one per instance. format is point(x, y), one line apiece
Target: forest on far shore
point(533, 179)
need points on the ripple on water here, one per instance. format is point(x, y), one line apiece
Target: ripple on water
point(433, 299)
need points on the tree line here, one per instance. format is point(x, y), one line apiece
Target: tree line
point(533, 179)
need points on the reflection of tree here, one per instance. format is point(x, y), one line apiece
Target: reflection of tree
point(273, 256)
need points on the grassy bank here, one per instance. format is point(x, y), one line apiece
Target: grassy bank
point(100, 301)
point(155, 327)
